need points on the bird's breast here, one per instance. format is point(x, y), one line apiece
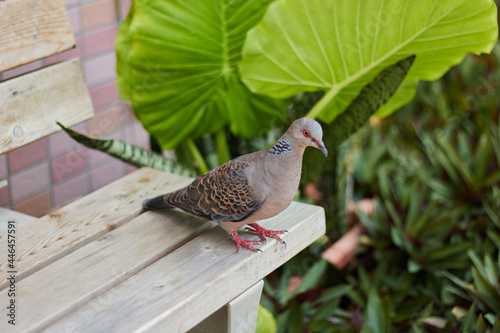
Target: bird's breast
point(279, 185)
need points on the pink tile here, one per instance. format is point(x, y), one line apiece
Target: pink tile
point(37, 205)
point(67, 191)
point(130, 168)
point(3, 166)
point(71, 3)
point(107, 173)
point(29, 182)
point(100, 41)
point(75, 18)
point(4, 197)
point(98, 159)
point(128, 114)
point(101, 70)
point(69, 54)
point(60, 142)
point(27, 155)
point(137, 135)
point(22, 69)
point(69, 165)
point(124, 8)
point(98, 13)
point(105, 122)
point(104, 96)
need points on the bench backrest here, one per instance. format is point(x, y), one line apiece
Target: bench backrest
point(31, 104)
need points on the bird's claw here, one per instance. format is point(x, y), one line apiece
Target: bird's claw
point(264, 233)
point(245, 243)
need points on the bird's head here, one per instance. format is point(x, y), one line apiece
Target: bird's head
point(307, 132)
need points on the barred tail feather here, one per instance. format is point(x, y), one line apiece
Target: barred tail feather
point(156, 203)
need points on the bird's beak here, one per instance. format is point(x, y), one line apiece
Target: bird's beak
point(321, 146)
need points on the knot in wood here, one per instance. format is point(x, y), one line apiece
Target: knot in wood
point(18, 133)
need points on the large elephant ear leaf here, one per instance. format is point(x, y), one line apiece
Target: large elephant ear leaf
point(178, 64)
point(338, 46)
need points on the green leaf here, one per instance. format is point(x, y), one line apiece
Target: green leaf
point(265, 321)
point(296, 318)
point(312, 277)
point(282, 320)
point(324, 311)
point(454, 159)
point(447, 252)
point(415, 205)
point(377, 318)
point(469, 320)
point(338, 46)
point(398, 239)
point(496, 326)
point(334, 292)
point(485, 291)
point(364, 280)
point(413, 266)
point(480, 325)
point(494, 236)
point(357, 297)
point(177, 63)
point(483, 155)
point(128, 153)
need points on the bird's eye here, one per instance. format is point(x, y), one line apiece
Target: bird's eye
point(306, 133)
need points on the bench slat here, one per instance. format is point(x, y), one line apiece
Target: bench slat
point(32, 30)
point(195, 280)
point(9, 215)
point(31, 104)
point(101, 265)
point(57, 234)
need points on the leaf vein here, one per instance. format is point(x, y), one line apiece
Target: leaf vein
point(346, 72)
point(316, 36)
point(377, 30)
point(293, 47)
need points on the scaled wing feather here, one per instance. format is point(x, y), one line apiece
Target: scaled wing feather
point(222, 194)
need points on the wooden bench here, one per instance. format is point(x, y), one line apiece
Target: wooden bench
point(102, 263)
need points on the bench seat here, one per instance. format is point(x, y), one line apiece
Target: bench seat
point(103, 264)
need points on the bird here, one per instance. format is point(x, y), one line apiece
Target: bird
point(249, 188)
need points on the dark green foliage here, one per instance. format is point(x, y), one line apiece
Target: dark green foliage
point(429, 261)
point(369, 100)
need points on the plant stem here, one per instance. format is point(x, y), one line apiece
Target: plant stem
point(322, 103)
point(222, 147)
point(195, 152)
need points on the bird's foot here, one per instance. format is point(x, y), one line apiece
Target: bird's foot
point(245, 243)
point(263, 233)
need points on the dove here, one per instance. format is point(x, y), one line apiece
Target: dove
point(249, 188)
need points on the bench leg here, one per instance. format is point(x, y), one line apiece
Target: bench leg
point(242, 314)
point(238, 316)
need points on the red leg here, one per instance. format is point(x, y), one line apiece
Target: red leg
point(263, 233)
point(245, 243)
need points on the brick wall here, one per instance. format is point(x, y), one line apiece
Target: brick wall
point(54, 171)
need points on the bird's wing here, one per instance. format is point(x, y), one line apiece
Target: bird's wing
point(222, 194)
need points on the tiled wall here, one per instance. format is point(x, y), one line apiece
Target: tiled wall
point(53, 171)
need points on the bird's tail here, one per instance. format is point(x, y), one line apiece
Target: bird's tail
point(156, 203)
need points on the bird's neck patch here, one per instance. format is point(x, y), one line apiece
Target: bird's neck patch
point(281, 147)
